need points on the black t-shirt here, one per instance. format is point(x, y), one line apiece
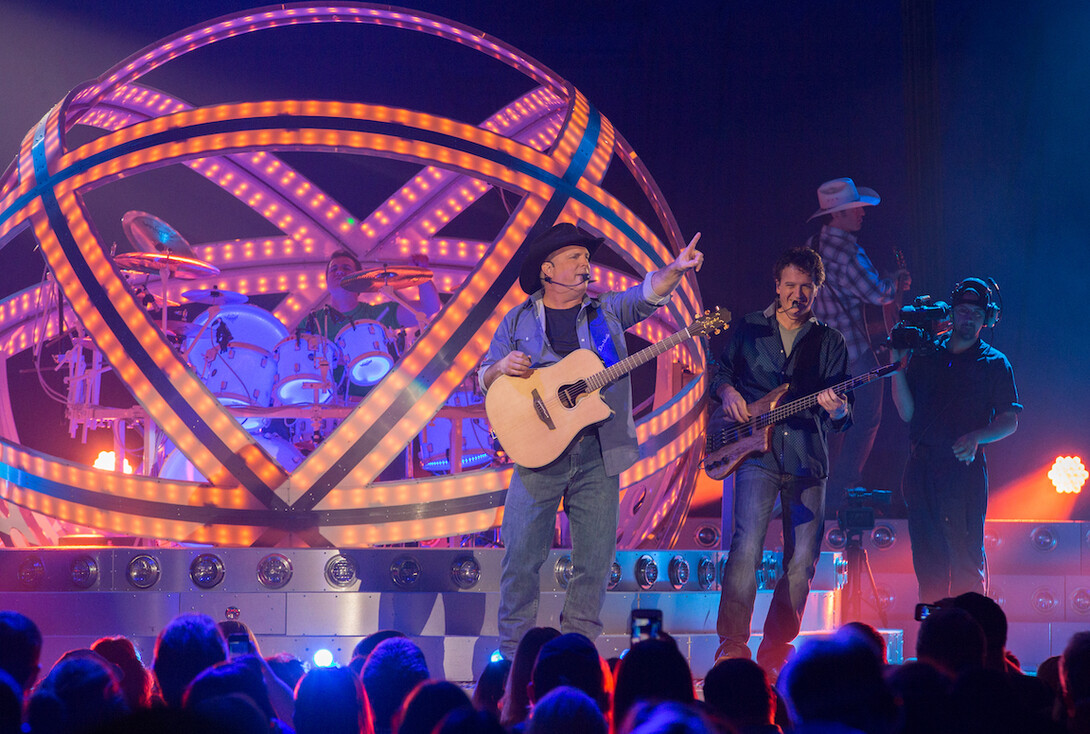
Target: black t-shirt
point(560, 328)
point(958, 393)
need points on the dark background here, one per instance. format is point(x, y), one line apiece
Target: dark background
point(968, 118)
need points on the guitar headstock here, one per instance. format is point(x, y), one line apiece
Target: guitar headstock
point(712, 322)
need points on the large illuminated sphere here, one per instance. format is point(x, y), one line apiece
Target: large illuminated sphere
point(547, 151)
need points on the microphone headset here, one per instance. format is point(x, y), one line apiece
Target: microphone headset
point(976, 292)
point(584, 278)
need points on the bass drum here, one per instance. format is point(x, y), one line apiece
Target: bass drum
point(234, 356)
point(436, 439)
point(179, 468)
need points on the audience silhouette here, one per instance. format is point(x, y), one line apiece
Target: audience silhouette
point(392, 671)
point(189, 644)
point(426, 706)
point(332, 701)
point(964, 680)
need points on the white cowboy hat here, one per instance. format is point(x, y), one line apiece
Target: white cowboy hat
point(841, 193)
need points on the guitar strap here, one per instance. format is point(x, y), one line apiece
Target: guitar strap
point(804, 359)
point(599, 334)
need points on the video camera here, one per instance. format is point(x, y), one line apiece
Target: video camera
point(921, 324)
point(859, 514)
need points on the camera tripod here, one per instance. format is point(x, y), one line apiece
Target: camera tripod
point(855, 555)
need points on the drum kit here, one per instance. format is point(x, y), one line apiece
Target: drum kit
point(288, 389)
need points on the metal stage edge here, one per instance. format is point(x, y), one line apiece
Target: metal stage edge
point(302, 600)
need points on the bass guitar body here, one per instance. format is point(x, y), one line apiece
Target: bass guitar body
point(535, 418)
point(723, 460)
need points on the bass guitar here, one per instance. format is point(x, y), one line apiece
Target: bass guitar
point(538, 416)
point(728, 444)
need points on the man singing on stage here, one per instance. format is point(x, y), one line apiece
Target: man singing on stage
point(782, 344)
point(956, 396)
point(557, 319)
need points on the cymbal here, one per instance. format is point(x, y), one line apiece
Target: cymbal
point(372, 280)
point(215, 297)
point(186, 268)
point(149, 233)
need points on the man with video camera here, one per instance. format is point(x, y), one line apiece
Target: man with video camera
point(957, 393)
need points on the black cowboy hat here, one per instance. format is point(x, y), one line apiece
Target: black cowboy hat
point(538, 250)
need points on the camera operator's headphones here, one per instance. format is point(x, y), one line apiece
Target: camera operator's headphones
point(976, 292)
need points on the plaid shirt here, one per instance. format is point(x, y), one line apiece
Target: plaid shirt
point(851, 280)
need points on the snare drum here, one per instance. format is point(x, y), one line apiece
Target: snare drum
point(300, 362)
point(243, 372)
point(367, 349)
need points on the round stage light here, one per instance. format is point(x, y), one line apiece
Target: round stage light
point(84, 572)
point(274, 571)
point(563, 570)
point(1042, 539)
point(647, 572)
point(705, 573)
point(707, 536)
point(31, 571)
point(495, 657)
point(143, 571)
point(883, 537)
point(322, 658)
point(206, 571)
point(341, 571)
point(678, 572)
point(835, 538)
point(1080, 600)
point(465, 572)
point(614, 576)
point(405, 572)
point(1068, 474)
point(1044, 600)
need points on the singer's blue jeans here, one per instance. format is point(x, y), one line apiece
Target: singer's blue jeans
point(591, 499)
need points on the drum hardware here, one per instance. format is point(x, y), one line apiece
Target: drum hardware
point(215, 297)
point(388, 280)
point(160, 250)
point(167, 265)
point(458, 437)
point(233, 354)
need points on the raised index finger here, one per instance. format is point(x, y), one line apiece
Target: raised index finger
point(688, 251)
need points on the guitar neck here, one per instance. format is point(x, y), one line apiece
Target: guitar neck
point(614, 372)
point(786, 410)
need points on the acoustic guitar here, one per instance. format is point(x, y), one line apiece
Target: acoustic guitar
point(728, 443)
point(538, 416)
point(879, 321)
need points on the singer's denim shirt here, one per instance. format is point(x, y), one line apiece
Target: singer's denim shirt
point(523, 329)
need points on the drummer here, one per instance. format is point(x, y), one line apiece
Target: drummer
point(344, 306)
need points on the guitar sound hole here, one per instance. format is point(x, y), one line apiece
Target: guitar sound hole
point(569, 395)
